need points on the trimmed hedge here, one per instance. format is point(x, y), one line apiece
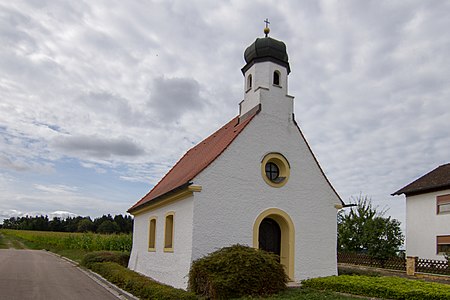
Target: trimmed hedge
point(138, 285)
point(104, 256)
point(357, 271)
point(237, 271)
point(381, 287)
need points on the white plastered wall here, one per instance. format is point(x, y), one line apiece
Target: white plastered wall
point(234, 192)
point(423, 224)
point(169, 268)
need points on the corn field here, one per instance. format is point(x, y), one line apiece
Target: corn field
point(82, 241)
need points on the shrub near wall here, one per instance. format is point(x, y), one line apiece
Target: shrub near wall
point(120, 258)
point(381, 287)
point(112, 266)
point(139, 285)
point(237, 271)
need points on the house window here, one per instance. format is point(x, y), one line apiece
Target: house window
point(275, 169)
point(443, 244)
point(443, 204)
point(152, 234)
point(249, 82)
point(168, 232)
point(276, 78)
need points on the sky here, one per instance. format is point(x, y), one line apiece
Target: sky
point(98, 99)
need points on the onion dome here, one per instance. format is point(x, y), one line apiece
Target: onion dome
point(266, 49)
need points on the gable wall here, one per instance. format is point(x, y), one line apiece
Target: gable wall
point(234, 194)
point(423, 225)
point(170, 268)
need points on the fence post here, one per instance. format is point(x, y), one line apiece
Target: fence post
point(411, 265)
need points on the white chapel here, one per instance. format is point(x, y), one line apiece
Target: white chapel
point(254, 182)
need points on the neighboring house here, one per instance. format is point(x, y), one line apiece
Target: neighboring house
point(428, 214)
point(255, 182)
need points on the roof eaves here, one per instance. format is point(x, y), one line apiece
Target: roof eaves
point(140, 202)
point(424, 185)
point(157, 198)
point(419, 191)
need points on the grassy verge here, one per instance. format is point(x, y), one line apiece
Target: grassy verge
point(8, 242)
point(381, 287)
point(3, 244)
point(73, 254)
point(11, 241)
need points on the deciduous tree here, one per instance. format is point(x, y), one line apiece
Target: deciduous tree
point(364, 229)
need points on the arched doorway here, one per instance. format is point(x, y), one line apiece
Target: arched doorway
point(269, 237)
point(274, 231)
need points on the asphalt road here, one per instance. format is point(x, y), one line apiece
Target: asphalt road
point(35, 274)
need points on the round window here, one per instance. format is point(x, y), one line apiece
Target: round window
point(275, 169)
point(272, 171)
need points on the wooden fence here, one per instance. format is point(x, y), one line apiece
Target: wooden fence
point(432, 266)
point(411, 265)
point(394, 263)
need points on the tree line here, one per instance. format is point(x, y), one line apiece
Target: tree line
point(104, 224)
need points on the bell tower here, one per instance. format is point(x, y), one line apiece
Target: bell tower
point(266, 78)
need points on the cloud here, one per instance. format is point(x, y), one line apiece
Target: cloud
point(23, 164)
point(98, 147)
point(110, 108)
point(114, 87)
point(94, 166)
point(56, 189)
point(7, 163)
point(6, 214)
point(56, 199)
point(171, 98)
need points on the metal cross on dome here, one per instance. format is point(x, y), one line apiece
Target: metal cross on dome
point(267, 29)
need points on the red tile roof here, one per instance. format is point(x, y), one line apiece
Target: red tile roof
point(196, 160)
point(436, 180)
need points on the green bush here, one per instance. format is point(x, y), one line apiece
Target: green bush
point(104, 256)
point(381, 287)
point(138, 285)
point(237, 271)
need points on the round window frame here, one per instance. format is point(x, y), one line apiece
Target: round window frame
point(283, 166)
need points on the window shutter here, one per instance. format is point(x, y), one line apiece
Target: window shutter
point(443, 199)
point(443, 239)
